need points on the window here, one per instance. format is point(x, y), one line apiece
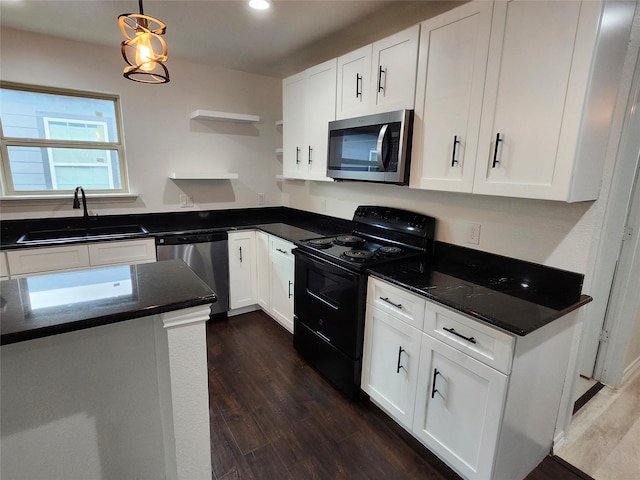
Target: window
point(55, 140)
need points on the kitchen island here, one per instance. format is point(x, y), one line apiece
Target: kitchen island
point(104, 374)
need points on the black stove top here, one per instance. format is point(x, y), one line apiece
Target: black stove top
point(382, 235)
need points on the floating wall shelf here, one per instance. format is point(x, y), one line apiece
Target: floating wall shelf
point(224, 116)
point(279, 123)
point(202, 176)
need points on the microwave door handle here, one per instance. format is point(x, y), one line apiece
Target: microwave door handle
point(381, 135)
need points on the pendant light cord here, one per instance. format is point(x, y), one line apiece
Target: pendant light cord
point(141, 10)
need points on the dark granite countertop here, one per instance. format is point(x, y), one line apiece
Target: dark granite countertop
point(43, 305)
point(511, 294)
point(289, 232)
point(284, 222)
point(517, 296)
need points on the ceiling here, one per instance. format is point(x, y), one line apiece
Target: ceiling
point(289, 37)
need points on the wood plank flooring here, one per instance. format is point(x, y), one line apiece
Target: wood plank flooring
point(274, 417)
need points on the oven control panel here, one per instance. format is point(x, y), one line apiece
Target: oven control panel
point(395, 219)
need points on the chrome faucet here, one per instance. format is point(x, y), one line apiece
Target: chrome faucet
point(76, 202)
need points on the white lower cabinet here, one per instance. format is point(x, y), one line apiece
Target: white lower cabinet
point(483, 400)
point(122, 252)
point(390, 369)
point(281, 274)
point(275, 264)
point(242, 269)
point(459, 404)
point(28, 261)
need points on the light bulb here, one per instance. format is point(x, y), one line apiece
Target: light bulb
point(145, 58)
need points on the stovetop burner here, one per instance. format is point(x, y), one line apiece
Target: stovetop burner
point(321, 242)
point(349, 240)
point(390, 251)
point(359, 255)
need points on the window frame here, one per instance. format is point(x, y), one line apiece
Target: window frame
point(8, 190)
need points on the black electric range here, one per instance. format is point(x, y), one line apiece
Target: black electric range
point(331, 282)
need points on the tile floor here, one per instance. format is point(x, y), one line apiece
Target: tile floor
point(604, 437)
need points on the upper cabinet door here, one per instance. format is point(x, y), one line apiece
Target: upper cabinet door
point(537, 74)
point(451, 72)
point(380, 77)
point(394, 66)
point(321, 109)
point(354, 83)
point(294, 124)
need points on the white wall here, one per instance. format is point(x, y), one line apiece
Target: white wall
point(551, 233)
point(159, 136)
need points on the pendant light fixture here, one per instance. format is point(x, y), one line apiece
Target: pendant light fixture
point(144, 50)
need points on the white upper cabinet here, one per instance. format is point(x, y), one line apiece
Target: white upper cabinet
point(379, 77)
point(309, 104)
point(451, 72)
point(538, 134)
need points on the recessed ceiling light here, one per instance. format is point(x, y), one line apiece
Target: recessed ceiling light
point(260, 4)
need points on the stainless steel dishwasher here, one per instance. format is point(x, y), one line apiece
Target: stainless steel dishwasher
point(207, 255)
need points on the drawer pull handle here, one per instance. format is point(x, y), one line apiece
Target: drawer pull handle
point(282, 251)
point(456, 142)
point(433, 385)
point(240, 254)
point(400, 350)
point(452, 331)
point(386, 299)
point(495, 151)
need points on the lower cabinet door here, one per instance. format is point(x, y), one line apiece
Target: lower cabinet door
point(459, 405)
point(242, 269)
point(390, 364)
point(281, 305)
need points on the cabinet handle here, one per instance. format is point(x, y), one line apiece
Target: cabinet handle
point(380, 72)
point(433, 385)
point(495, 151)
point(310, 150)
point(456, 142)
point(386, 299)
point(282, 251)
point(297, 155)
point(358, 85)
point(290, 283)
point(240, 254)
point(400, 350)
point(452, 331)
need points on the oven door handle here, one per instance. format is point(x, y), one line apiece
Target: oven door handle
point(381, 135)
point(320, 299)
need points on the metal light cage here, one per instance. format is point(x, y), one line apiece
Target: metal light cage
point(144, 50)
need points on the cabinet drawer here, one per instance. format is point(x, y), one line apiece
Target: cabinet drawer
point(123, 252)
point(478, 340)
point(279, 246)
point(396, 301)
point(36, 260)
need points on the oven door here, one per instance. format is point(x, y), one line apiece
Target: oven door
point(329, 300)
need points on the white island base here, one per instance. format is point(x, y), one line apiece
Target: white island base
point(123, 400)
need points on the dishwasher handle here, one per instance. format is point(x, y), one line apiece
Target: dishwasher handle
point(186, 238)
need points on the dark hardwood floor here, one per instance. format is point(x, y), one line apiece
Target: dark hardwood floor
point(274, 417)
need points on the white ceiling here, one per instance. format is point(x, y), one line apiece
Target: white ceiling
point(287, 38)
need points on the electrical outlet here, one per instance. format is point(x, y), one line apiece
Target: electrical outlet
point(261, 199)
point(473, 233)
point(186, 200)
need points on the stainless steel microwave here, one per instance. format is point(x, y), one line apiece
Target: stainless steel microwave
point(373, 148)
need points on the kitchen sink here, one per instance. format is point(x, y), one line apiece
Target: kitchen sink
point(61, 234)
